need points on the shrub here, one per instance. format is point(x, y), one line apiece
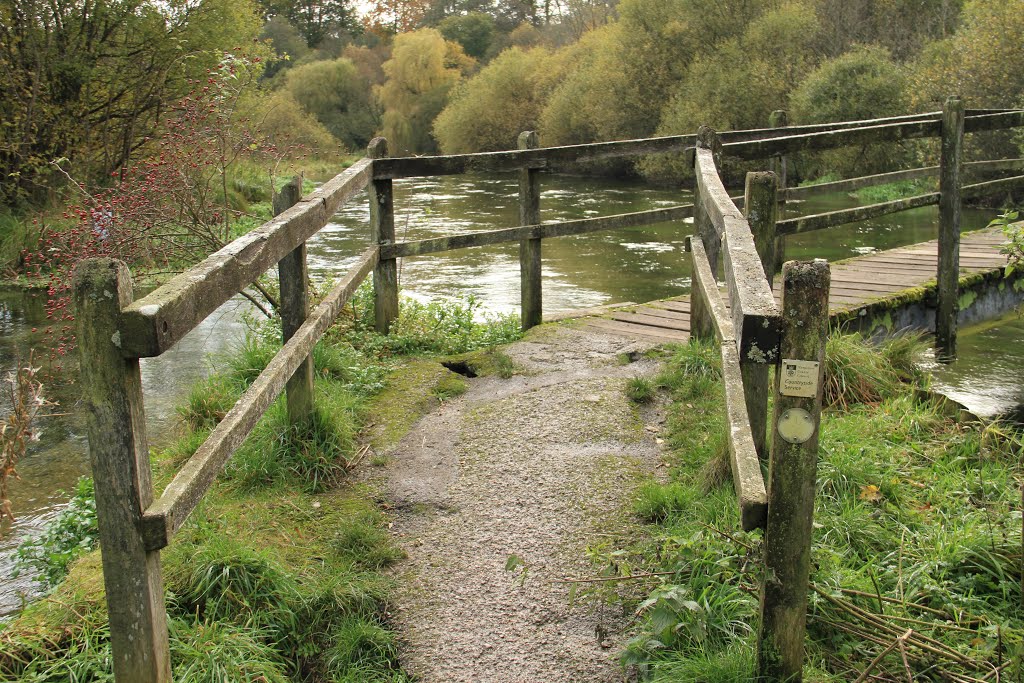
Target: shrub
point(488, 111)
point(338, 97)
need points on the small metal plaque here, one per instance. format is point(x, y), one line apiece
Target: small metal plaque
point(798, 378)
point(795, 425)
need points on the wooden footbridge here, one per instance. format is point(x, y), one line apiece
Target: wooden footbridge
point(873, 282)
point(753, 331)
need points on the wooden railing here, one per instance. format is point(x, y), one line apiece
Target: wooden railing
point(115, 332)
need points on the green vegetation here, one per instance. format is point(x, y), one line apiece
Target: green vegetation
point(278, 573)
point(917, 525)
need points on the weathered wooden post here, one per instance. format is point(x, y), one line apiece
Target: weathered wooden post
point(119, 454)
point(701, 326)
point(382, 231)
point(530, 249)
point(949, 227)
point(792, 471)
point(780, 164)
point(760, 205)
point(293, 277)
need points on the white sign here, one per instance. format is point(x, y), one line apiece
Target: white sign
point(798, 378)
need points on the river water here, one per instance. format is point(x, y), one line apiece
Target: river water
point(636, 264)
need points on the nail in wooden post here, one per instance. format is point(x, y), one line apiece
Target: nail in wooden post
point(701, 326)
point(293, 277)
point(949, 227)
point(780, 164)
point(761, 207)
point(529, 249)
point(112, 390)
point(792, 471)
point(382, 231)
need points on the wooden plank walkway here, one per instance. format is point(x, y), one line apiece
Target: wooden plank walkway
point(856, 282)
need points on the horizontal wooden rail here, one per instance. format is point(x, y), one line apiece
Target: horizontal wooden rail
point(169, 512)
point(547, 157)
point(820, 221)
point(992, 186)
point(851, 184)
point(995, 165)
point(746, 468)
point(559, 229)
point(156, 322)
point(755, 315)
point(917, 125)
point(983, 122)
point(763, 149)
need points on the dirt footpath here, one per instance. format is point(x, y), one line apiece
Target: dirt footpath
point(538, 466)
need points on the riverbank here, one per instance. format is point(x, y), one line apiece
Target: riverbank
point(575, 480)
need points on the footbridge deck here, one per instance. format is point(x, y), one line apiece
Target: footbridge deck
point(900, 277)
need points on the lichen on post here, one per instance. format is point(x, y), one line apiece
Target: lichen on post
point(111, 388)
point(530, 249)
point(948, 275)
point(792, 475)
point(293, 277)
point(382, 232)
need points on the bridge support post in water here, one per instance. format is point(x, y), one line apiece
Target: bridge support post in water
point(382, 232)
point(530, 249)
point(792, 472)
point(780, 165)
point(948, 274)
point(760, 205)
point(119, 454)
point(701, 326)
point(293, 277)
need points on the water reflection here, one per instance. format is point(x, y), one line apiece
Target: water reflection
point(986, 376)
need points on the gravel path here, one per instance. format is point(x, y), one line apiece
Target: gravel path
point(538, 466)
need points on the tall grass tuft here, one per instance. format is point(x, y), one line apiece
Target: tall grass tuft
point(854, 373)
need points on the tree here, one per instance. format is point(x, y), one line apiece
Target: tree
point(473, 31)
point(862, 84)
point(422, 70)
point(395, 16)
point(316, 20)
point(488, 111)
point(90, 81)
point(338, 97)
point(903, 27)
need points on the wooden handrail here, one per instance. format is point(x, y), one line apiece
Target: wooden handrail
point(756, 319)
point(552, 229)
point(746, 467)
point(159, 320)
point(821, 221)
point(169, 512)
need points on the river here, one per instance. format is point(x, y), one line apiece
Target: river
point(636, 264)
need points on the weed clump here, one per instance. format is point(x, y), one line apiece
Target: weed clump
point(640, 390)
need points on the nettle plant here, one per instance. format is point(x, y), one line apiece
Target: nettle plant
point(171, 208)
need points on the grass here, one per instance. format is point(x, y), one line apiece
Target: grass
point(891, 191)
point(278, 574)
point(917, 524)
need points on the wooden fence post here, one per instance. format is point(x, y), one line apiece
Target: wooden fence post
point(760, 205)
point(293, 277)
point(701, 326)
point(792, 471)
point(119, 453)
point(530, 249)
point(949, 227)
point(780, 164)
point(382, 231)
